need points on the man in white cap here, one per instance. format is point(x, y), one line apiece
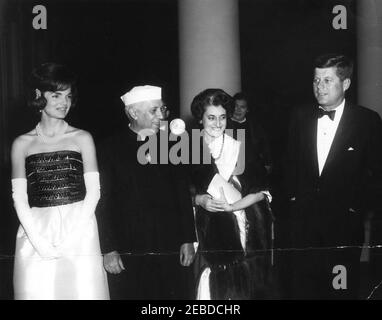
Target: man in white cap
point(144, 108)
point(145, 216)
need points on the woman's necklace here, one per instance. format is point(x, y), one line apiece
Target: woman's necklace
point(221, 149)
point(44, 137)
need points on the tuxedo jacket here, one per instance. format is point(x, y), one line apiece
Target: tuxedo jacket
point(143, 208)
point(328, 208)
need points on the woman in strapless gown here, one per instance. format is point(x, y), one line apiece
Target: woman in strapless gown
point(55, 188)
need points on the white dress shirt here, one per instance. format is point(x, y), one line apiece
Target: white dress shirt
point(326, 130)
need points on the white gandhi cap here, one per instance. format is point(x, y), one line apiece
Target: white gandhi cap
point(142, 93)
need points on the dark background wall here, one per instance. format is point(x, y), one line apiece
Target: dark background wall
point(114, 45)
point(111, 45)
point(279, 41)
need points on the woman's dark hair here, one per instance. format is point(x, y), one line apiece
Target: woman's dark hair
point(211, 97)
point(240, 96)
point(50, 77)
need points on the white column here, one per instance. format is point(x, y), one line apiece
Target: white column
point(209, 48)
point(369, 47)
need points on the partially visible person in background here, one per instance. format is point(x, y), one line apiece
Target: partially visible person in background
point(256, 140)
point(55, 188)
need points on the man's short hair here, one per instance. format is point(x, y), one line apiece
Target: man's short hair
point(342, 63)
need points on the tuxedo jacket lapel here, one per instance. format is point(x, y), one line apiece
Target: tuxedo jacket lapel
point(311, 142)
point(340, 138)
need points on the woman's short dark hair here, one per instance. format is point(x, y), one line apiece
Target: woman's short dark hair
point(342, 63)
point(211, 97)
point(50, 77)
point(240, 96)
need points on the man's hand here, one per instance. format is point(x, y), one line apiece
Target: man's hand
point(186, 254)
point(113, 262)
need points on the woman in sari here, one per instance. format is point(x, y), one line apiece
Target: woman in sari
point(231, 208)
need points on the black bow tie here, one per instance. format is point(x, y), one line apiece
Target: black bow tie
point(330, 114)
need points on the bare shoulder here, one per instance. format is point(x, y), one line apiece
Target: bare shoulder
point(22, 142)
point(83, 139)
point(80, 134)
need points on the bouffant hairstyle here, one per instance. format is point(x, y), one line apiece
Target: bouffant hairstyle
point(50, 77)
point(211, 97)
point(343, 64)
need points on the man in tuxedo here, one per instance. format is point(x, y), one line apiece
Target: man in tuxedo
point(145, 213)
point(334, 176)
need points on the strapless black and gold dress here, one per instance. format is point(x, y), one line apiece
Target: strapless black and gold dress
point(56, 191)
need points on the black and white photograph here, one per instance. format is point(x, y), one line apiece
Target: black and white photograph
point(190, 150)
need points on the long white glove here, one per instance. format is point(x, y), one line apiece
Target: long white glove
point(20, 199)
point(92, 197)
point(89, 205)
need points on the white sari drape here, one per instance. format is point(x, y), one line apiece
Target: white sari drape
point(226, 165)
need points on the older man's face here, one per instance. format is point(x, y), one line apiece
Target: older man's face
point(149, 115)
